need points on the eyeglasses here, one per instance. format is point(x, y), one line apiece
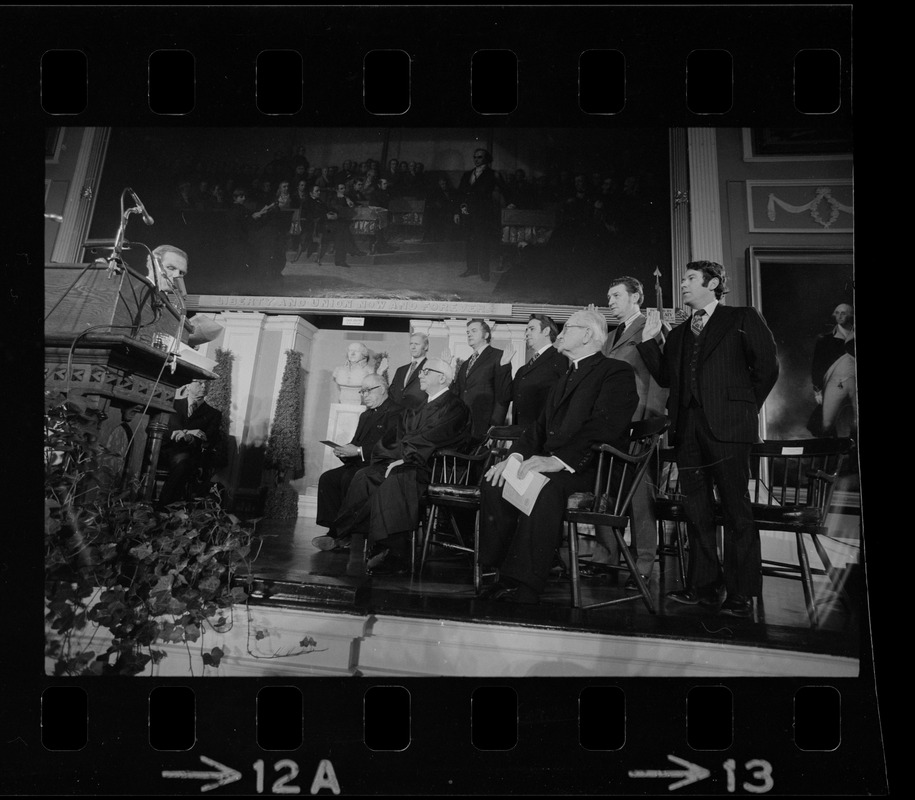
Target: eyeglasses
point(370, 389)
point(426, 371)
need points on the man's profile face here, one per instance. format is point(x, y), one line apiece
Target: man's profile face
point(536, 336)
point(621, 303)
point(573, 336)
point(696, 294)
point(418, 346)
point(475, 335)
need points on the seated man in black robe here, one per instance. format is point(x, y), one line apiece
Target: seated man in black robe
point(382, 504)
point(192, 429)
point(380, 415)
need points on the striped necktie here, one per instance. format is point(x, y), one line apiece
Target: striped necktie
point(532, 359)
point(698, 321)
point(473, 360)
point(410, 372)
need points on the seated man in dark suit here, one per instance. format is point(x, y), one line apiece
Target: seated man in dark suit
point(545, 367)
point(193, 427)
point(380, 415)
point(593, 404)
point(382, 504)
point(405, 388)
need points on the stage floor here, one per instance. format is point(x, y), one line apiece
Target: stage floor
point(290, 570)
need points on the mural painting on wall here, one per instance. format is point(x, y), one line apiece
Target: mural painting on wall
point(521, 216)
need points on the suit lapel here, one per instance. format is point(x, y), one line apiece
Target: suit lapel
point(415, 375)
point(578, 375)
point(715, 329)
point(635, 329)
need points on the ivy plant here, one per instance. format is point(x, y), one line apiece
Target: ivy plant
point(113, 562)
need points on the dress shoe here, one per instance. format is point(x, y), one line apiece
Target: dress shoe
point(737, 605)
point(329, 543)
point(632, 586)
point(495, 589)
point(691, 596)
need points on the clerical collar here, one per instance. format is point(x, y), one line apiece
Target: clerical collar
point(577, 361)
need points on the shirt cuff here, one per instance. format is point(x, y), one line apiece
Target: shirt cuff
point(564, 465)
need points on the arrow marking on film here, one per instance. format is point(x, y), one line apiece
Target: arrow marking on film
point(223, 774)
point(692, 774)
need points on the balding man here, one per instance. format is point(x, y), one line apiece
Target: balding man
point(405, 388)
point(380, 416)
point(172, 267)
point(382, 504)
point(592, 404)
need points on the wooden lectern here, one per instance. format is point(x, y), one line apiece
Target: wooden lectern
point(100, 334)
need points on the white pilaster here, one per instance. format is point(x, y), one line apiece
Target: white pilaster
point(295, 334)
point(704, 196)
point(81, 196)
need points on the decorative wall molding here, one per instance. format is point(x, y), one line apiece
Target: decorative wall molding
point(800, 206)
point(750, 155)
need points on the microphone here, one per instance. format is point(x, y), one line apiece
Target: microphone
point(147, 219)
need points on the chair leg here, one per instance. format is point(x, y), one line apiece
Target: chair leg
point(430, 524)
point(807, 580)
point(633, 568)
point(572, 528)
point(835, 582)
point(477, 568)
point(681, 551)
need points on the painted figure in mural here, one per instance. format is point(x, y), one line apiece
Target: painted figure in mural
point(834, 376)
point(349, 376)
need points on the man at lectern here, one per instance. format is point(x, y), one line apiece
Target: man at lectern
point(173, 263)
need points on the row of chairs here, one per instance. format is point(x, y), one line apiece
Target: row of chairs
point(791, 488)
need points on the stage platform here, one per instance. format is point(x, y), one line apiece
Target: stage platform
point(434, 625)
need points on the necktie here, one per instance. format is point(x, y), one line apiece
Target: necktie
point(698, 321)
point(191, 408)
point(533, 358)
point(410, 371)
point(472, 361)
point(618, 333)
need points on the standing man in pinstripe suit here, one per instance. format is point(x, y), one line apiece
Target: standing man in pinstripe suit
point(720, 366)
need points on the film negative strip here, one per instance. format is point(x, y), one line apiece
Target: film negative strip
point(727, 129)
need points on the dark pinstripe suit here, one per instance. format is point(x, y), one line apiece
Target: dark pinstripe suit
point(736, 369)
